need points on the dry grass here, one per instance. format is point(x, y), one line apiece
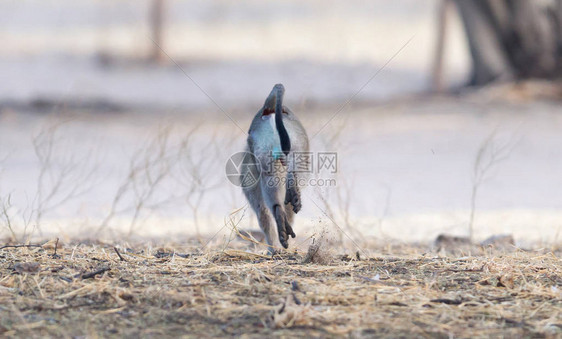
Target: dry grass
point(95, 290)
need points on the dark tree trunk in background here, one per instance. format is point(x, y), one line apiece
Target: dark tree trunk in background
point(438, 64)
point(157, 30)
point(513, 39)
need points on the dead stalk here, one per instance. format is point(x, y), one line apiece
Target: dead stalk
point(62, 175)
point(489, 155)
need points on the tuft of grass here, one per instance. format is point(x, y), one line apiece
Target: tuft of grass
point(145, 289)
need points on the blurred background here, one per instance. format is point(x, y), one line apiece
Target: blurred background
point(117, 117)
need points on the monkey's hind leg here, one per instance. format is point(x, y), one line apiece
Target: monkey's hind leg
point(265, 219)
point(266, 225)
point(290, 218)
point(293, 193)
point(273, 192)
point(284, 229)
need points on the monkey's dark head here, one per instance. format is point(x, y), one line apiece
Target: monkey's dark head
point(274, 104)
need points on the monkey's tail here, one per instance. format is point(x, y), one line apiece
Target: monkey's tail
point(283, 135)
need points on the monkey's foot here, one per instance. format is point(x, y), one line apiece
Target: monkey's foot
point(293, 196)
point(290, 230)
point(284, 234)
point(284, 229)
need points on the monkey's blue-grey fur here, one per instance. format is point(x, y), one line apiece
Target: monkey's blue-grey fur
point(275, 135)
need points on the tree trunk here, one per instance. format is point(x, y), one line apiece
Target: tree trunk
point(513, 39)
point(439, 59)
point(157, 30)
